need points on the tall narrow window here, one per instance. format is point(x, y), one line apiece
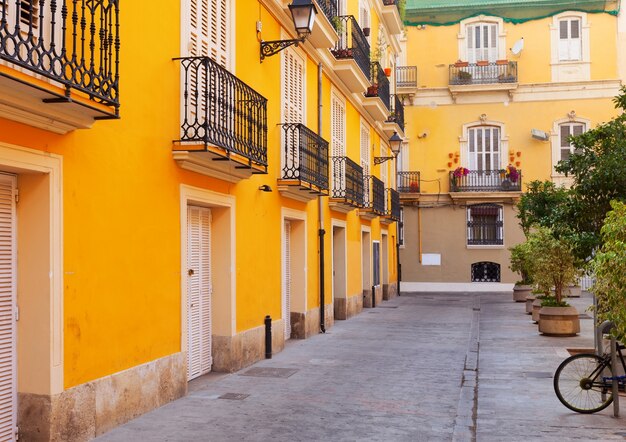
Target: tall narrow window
point(482, 42)
point(566, 130)
point(365, 160)
point(338, 141)
point(208, 29)
point(483, 144)
point(570, 42)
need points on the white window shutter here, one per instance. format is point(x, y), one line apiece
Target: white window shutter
point(292, 89)
point(206, 290)
point(8, 384)
point(338, 137)
point(287, 281)
point(365, 159)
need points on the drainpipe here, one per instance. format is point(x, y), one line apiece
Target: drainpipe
point(398, 265)
point(320, 206)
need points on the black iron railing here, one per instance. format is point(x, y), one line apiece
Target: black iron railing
point(409, 182)
point(406, 76)
point(347, 181)
point(483, 73)
point(352, 43)
point(380, 84)
point(374, 195)
point(329, 8)
point(484, 225)
point(73, 42)
point(393, 206)
point(305, 156)
point(396, 112)
point(221, 110)
point(485, 181)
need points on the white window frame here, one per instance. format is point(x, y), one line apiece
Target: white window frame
point(555, 142)
point(570, 70)
point(338, 98)
point(298, 54)
point(500, 32)
point(464, 141)
point(500, 229)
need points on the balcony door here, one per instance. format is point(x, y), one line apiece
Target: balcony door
point(482, 42)
point(292, 92)
point(365, 163)
point(338, 141)
point(483, 144)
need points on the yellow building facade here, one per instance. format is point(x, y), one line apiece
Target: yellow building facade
point(493, 93)
point(164, 193)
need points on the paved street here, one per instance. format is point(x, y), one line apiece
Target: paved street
point(419, 367)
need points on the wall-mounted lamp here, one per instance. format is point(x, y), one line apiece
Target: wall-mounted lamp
point(394, 142)
point(265, 188)
point(303, 16)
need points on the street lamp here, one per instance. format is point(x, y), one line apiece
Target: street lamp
point(303, 15)
point(394, 143)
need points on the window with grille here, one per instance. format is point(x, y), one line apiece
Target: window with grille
point(485, 272)
point(566, 130)
point(484, 225)
point(570, 42)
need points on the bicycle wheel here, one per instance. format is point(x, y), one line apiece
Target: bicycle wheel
point(579, 386)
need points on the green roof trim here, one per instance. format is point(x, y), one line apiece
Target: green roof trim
point(451, 12)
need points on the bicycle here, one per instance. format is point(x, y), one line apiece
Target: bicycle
point(583, 382)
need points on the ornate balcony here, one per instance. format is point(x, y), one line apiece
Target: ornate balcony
point(377, 95)
point(482, 76)
point(408, 182)
point(323, 34)
point(352, 54)
point(395, 119)
point(392, 17)
point(373, 198)
point(224, 126)
point(305, 163)
point(59, 62)
point(406, 79)
point(392, 206)
point(347, 185)
point(486, 184)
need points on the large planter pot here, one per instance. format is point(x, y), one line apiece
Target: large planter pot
point(573, 291)
point(536, 308)
point(529, 303)
point(520, 292)
point(559, 321)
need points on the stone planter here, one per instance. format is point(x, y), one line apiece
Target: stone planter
point(559, 321)
point(520, 292)
point(535, 311)
point(529, 303)
point(573, 291)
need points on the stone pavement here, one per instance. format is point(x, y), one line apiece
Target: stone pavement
point(425, 367)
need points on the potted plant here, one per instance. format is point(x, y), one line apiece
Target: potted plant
point(366, 31)
point(414, 186)
point(521, 264)
point(457, 174)
point(553, 267)
point(464, 77)
point(372, 91)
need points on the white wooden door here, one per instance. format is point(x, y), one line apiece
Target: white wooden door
point(365, 161)
point(484, 148)
point(8, 362)
point(199, 291)
point(482, 42)
point(292, 90)
point(570, 42)
point(287, 281)
point(338, 141)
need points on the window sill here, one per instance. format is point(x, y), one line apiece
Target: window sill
point(485, 247)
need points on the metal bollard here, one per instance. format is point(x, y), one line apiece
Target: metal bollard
point(373, 296)
point(268, 337)
point(615, 380)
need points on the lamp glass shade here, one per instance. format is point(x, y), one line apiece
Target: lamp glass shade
point(394, 143)
point(303, 15)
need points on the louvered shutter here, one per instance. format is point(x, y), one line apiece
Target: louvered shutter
point(365, 161)
point(199, 290)
point(293, 105)
point(338, 137)
point(8, 395)
point(570, 42)
point(482, 42)
point(383, 175)
point(287, 281)
point(484, 148)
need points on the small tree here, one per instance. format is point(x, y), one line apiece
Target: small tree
point(553, 262)
point(609, 265)
point(541, 205)
point(521, 262)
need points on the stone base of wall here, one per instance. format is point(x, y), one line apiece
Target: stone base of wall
point(83, 412)
point(341, 309)
point(355, 305)
point(329, 316)
point(390, 291)
point(378, 294)
point(305, 325)
point(367, 298)
point(232, 353)
point(345, 308)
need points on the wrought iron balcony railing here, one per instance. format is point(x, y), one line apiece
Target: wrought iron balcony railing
point(406, 76)
point(409, 182)
point(221, 110)
point(329, 8)
point(352, 43)
point(374, 195)
point(483, 72)
point(393, 206)
point(380, 84)
point(305, 156)
point(396, 112)
point(74, 43)
point(486, 181)
point(347, 181)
